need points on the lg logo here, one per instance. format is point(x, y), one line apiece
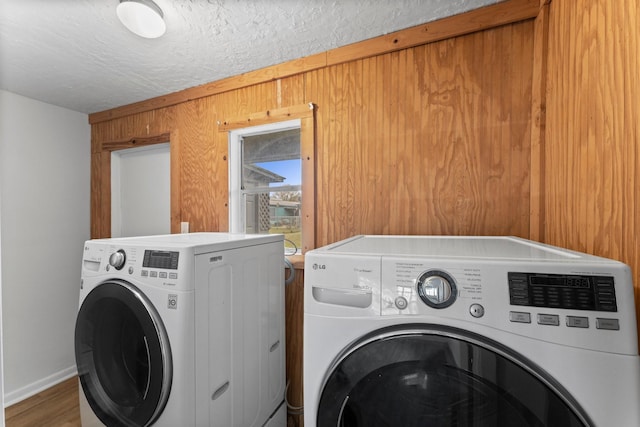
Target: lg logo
point(319, 267)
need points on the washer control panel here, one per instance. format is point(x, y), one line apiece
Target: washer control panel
point(546, 304)
point(418, 287)
point(162, 267)
point(502, 284)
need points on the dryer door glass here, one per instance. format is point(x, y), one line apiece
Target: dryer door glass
point(123, 355)
point(440, 378)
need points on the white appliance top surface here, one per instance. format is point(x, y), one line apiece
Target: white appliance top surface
point(485, 247)
point(187, 240)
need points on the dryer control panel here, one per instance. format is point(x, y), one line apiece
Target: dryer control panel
point(576, 292)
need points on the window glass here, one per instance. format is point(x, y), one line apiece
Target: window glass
point(267, 170)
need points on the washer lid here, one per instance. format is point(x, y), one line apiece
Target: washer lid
point(199, 242)
point(485, 247)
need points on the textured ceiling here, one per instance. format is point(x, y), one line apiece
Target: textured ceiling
point(76, 54)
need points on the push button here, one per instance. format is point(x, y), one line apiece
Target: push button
point(401, 303)
point(476, 310)
point(520, 317)
point(549, 319)
point(608, 324)
point(577, 322)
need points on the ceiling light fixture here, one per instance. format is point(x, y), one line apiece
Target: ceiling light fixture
point(142, 17)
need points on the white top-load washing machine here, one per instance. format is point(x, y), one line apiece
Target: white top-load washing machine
point(467, 331)
point(182, 330)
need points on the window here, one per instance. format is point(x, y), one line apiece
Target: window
point(266, 181)
point(272, 174)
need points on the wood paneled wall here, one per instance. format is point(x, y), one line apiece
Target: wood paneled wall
point(592, 201)
point(429, 140)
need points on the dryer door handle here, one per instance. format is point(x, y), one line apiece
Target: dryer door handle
point(220, 391)
point(347, 297)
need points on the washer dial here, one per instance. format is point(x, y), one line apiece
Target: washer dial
point(117, 259)
point(437, 289)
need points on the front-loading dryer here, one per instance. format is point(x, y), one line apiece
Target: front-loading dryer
point(467, 331)
point(182, 330)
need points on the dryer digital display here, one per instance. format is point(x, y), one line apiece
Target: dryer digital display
point(160, 259)
point(577, 292)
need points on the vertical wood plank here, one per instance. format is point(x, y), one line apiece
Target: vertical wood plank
point(384, 148)
point(359, 167)
point(538, 123)
point(393, 143)
point(367, 152)
point(203, 173)
point(307, 150)
point(294, 317)
point(176, 161)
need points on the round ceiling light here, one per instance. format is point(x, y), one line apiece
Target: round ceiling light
point(142, 17)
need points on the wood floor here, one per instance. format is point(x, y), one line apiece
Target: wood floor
point(59, 407)
point(54, 407)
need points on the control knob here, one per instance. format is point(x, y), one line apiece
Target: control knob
point(117, 259)
point(437, 289)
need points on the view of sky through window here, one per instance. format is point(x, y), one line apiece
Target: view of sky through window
point(290, 169)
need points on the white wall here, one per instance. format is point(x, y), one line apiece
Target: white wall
point(1, 381)
point(44, 185)
point(141, 191)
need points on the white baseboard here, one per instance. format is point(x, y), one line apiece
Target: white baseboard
point(38, 386)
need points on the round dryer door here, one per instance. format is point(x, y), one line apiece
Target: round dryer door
point(440, 377)
point(123, 355)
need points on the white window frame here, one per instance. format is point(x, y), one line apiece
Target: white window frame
point(306, 114)
point(237, 214)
